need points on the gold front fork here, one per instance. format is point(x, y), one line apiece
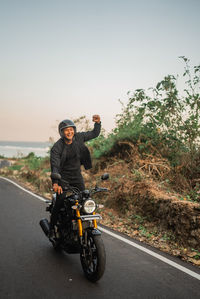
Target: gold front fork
point(80, 228)
point(94, 221)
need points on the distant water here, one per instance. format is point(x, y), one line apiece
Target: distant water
point(19, 149)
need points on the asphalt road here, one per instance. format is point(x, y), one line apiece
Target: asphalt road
point(30, 268)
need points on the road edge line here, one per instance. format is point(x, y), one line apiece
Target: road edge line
point(132, 243)
point(152, 253)
point(22, 188)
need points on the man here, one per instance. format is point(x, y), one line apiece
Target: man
point(66, 157)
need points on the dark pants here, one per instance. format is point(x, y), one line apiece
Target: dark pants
point(59, 204)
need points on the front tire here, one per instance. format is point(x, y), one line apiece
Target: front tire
point(93, 258)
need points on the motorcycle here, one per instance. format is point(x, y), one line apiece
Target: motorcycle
point(76, 230)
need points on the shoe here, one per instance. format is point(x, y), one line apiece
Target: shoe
point(51, 234)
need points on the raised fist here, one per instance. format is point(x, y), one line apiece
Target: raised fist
point(96, 118)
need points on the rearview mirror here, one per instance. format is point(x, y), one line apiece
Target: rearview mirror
point(105, 176)
point(55, 176)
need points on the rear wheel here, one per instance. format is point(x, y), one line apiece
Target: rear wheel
point(93, 258)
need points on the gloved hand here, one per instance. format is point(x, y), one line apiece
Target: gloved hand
point(57, 188)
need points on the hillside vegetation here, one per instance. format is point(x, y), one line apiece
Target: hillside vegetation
point(165, 125)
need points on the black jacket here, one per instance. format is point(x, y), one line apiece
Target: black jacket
point(58, 153)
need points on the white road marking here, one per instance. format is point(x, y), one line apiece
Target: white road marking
point(25, 190)
point(150, 252)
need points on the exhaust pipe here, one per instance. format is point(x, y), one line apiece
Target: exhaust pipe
point(45, 226)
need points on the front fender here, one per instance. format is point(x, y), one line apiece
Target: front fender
point(93, 231)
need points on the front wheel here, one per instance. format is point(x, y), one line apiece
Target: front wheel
point(93, 258)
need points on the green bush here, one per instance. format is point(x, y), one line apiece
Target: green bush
point(15, 167)
point(32, 161)
point(165, 119)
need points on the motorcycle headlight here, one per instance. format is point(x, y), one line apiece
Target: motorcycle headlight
point(89, 206)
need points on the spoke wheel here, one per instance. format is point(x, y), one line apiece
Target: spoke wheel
point(93, 258)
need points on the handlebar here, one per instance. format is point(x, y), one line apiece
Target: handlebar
point(76, 190)
point(99, 189)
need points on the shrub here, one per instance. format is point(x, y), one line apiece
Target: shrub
point(32, 161)
point(164, 119)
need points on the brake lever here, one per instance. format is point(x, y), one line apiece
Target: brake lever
point(105, 189)
point(99, 189)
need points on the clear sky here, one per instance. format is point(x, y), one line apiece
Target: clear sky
point(63, 59)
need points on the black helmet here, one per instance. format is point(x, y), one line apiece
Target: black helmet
point(65, 124)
